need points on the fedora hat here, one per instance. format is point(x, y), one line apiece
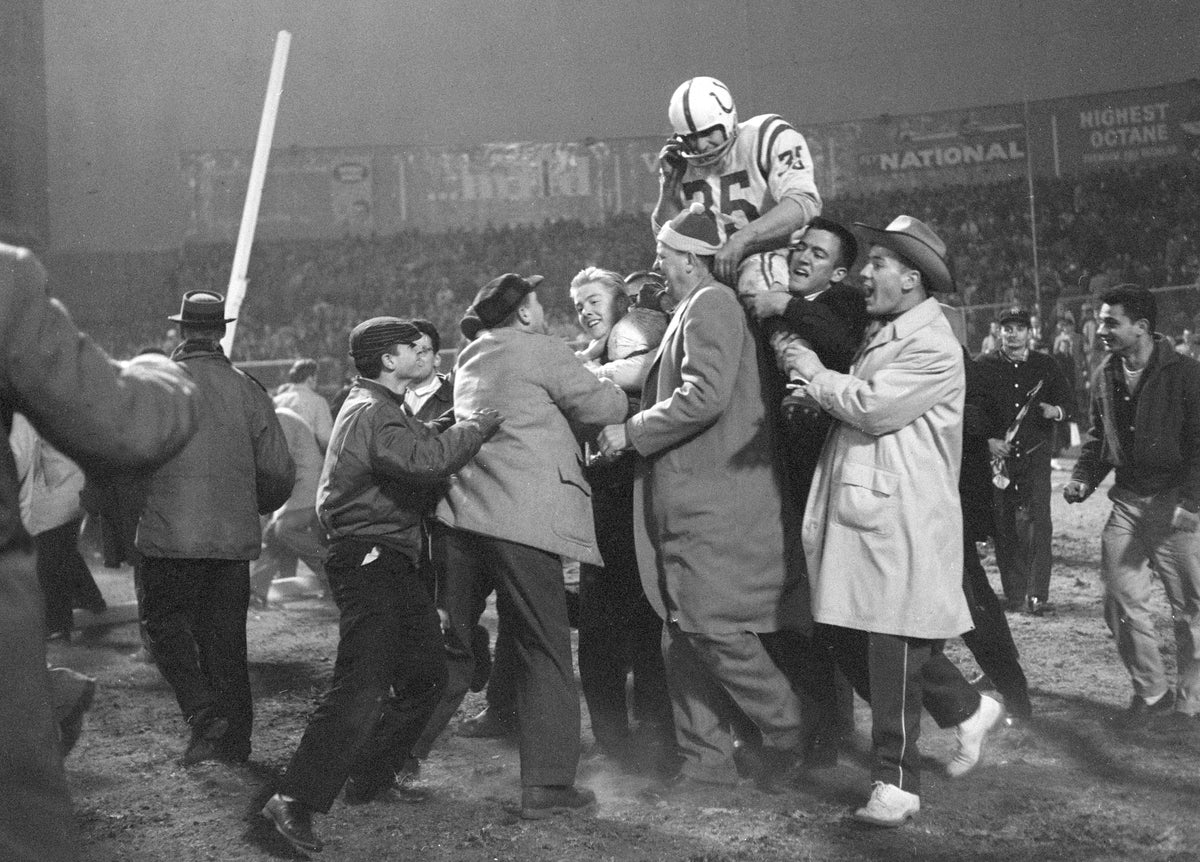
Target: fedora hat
point(916, 241)
point(202, 308)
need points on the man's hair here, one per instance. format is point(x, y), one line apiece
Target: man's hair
point(205, 333)
point(847, 242)
point(427, 328)
point(606, 278)
point(301, 370)
point(1137, 303)
point(371, 366)
point(510, 319)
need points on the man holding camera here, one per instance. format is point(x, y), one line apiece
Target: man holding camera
point(755, 177)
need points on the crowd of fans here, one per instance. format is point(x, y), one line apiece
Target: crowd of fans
point(1136, 224)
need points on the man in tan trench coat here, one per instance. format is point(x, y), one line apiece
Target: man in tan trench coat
point(883, 525)
point(712, 537)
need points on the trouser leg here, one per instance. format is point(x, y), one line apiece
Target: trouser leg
point(945, 692)
point(1127, 601)
point(36, 824)
point(220, 630)
point(701, 708)
point(533, 609)
point(1014, 576)
point(1176, 557)
point(810, 668)
point(1032, 520)
point(386, 680)
point(54, 547)
point(603, 658)
point(991, 641)
point(170, 610)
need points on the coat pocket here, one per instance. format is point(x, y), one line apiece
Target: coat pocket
point(865, 499)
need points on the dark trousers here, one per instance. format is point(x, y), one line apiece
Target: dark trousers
point(36, 824)
point(64, 577)
point(809, 665)
point(1023, 529)
point(898, 676)
point(389, 675)
point(533, 612)
point(195, 616)
point(619, 631)
point(991, 641)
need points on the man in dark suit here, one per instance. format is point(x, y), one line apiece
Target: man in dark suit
point(822, 310)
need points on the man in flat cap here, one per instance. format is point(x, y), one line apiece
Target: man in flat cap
point(390, 669)
point(1030, 385)
point(198, 531)
point(883, 524)
point(715, 544)
point(511, 515)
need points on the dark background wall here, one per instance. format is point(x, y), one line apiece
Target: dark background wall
point(131, 84)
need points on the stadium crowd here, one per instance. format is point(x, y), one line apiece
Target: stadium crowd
point(741, 458)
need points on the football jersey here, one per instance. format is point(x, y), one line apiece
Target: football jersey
point(769, 161)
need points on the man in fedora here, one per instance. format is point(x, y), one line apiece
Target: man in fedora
point(198, 531)
point(885, 575)
point(511, 514)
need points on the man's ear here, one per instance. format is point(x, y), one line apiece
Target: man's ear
point(838, 274)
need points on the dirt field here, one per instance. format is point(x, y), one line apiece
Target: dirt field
point(1066, 787)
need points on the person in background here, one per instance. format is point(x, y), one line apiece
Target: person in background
point(300, 396)
point(1145, 425)
point(198, 531)
point(97, 412)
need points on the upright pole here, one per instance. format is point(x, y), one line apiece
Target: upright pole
point(236, 291)
point(1037, 277)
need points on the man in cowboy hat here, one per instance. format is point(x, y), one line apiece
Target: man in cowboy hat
point(711, 522)
point(512, 513)
point(886, 578)
point(198, 530)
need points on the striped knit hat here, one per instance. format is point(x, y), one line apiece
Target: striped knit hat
point(379, 334)
point(693, 230)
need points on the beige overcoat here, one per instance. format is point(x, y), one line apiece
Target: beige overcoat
point(883, 525)
point(709, 522)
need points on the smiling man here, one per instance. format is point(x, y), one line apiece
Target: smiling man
point(883, 525)
point(1145, 424)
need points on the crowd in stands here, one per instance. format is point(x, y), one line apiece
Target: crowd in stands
point(1139, 224)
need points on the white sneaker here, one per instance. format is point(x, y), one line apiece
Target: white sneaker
point(970, 735)
point(888, 806)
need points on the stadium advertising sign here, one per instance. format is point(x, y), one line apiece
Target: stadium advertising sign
point(1120, 128)
point(962, 141)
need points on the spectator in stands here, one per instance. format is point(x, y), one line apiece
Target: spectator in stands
point(200, 528)
point(514, 512)
point(300, 396)
point(704, 426)
point(1021, 442)
point(94, 411)
point(1145, 416)
point(758, 175)
point(888, 599)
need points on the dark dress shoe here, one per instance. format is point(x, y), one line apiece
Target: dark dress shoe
point(361, 790)
point(206, 736)
point(1139, 713)
point(292, 820)
point(541, 801)
point(489, 724)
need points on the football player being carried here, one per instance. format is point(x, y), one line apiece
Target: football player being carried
point(756, 177)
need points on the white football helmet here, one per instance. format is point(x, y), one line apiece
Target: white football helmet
point(699, 105)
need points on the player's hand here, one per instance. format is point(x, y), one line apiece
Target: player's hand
point(1183, 521)
point(728, 259)
point(1049, 411)
point(488, 420)
point(799, 360)
point(613, 440)
point(768, 303)
point(999, 448)
point(671, 163)
point(1076, 492)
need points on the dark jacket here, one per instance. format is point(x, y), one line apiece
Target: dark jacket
point(1012, 382)
point(204, 503)
point(1166, 441)
point(380, 465)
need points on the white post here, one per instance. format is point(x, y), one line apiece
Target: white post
point(258, 173)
